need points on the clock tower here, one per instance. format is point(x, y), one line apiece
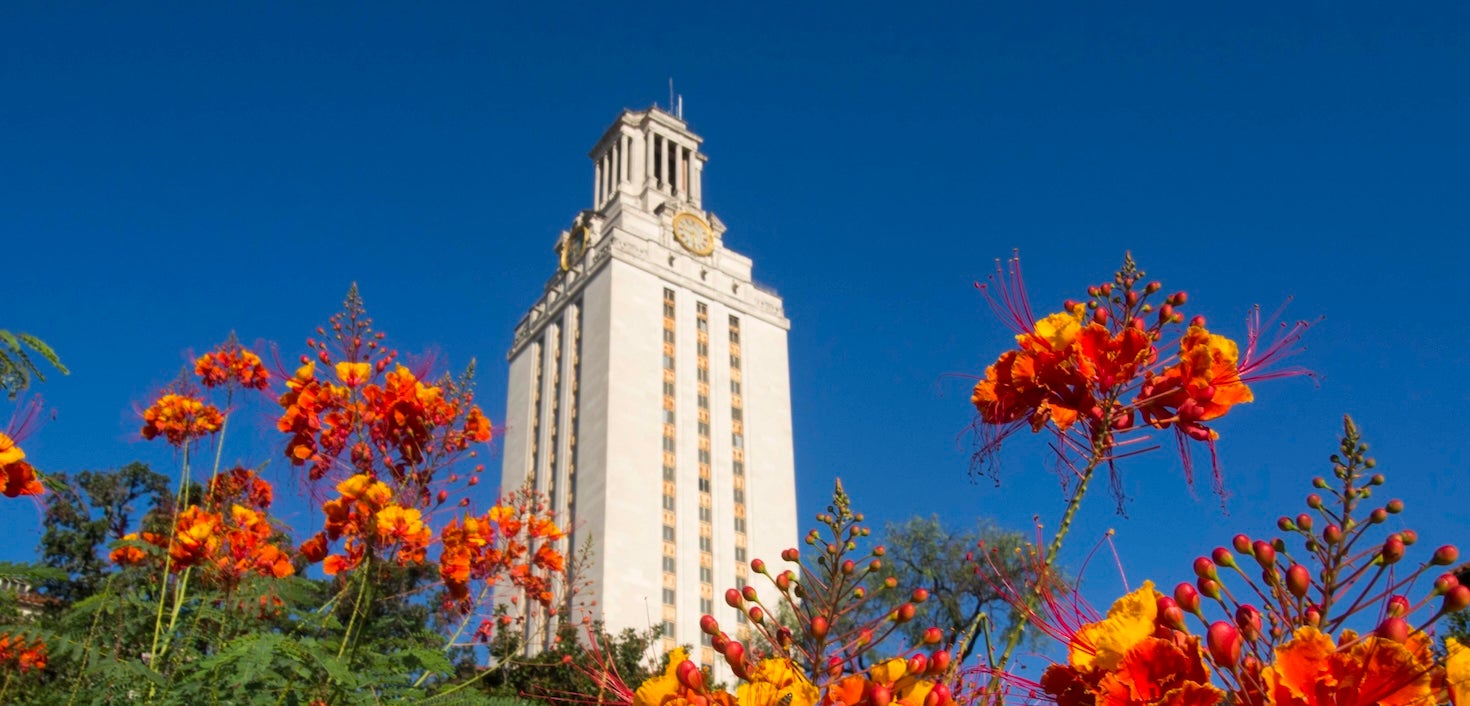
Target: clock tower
point(649, 395)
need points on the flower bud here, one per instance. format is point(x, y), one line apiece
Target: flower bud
point(890, 582)
point(690, 676)
point(790, 554)
point(732, 598)
point(879, 550)
point(1197, 321)
point(932, 635)
point(1408, 537)
point(875, 565)
point(1222, 557)
point(1298, 580)
point(1285, 524)
point(1248, 619)
point(758, 565)
point(1378, 516)
point(441, 497)
point(749, 594)
point(1314, 501)
point(1313, 615)
point(848, 566)
point(1394, 506)
point(919, 663)
point(1265, 554)
point(1398, 606)
point(1456, 599)
point(1241, 543)
point(1170, 616)
point(906, 612)
point(1332, 534)
point(1394, 629)
point(1187, 597)
point(880, 695)
point(819, 627)
point(1224, 643)
point(1204, 568)
point(1318, 482)
point(1304, 521)
point(1446, 555)
point(735, 657)
point(708, 625)
point(920, 595)
point(834, 667)
point(939, 661)
point(1209, 588)
point(1393, 550)
point(1444, 583)
point(757, 615)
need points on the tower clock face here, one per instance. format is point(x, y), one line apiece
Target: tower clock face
point(694, 234)
point(576, 245)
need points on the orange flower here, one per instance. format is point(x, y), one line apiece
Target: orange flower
point(544, 528)
point(315, 549)
point(24, 655)
point(10, 452)
point(244, 486)
point(180, 418)
point(195, 538)
point(1202, 386)
point(230, 364)
point(477, 427)
point(17, 477)
point(547, 557)
point(1310, 671)
point(128, 555)
point(400, 524)
point(369, 490)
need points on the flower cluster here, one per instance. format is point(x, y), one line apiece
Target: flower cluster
point(1095, 374)
point(375, 417)
point(180, 418)
point(21, 654)
point(17, 477)
point(365, 517)
point(1288, 638)
point(231, 365)
point(228, 544)
point(826, 600)
point(508, 541)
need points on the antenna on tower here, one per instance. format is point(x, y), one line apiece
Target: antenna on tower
point(680, 110)
point(671, 94)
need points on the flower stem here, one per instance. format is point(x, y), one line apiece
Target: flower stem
point(362, 591)
point(449, 644)
point(1018, 625)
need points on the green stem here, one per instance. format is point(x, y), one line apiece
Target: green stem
point(362, 591)
point(467, 682)
point(219, 449)
point(1018, 626)
point(449, 644)
point(181, 497)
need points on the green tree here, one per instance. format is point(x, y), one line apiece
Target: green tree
point(16, 365)
point(92, 510)
point(923, 553)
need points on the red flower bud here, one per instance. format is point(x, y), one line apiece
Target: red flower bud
point(757, 615)
point(1394, 506)
point(1222, 557)
point(1298, 580)
point(880, 695)
point(919, 663)
point(1314, 501)
point(1224, 643)
point(1409, 537)
point(1395, 629)
point(719, 642)
point(1241, 543)
point(1393, 550)
point(819, 627)
point(1248, 619)
point(1398, 606)
point(1444, 583)
point(1197, 321)
point(906, 612)
point(708, 625)
point(732, 598)
point(939, 661)
point(1332, 534)
point(735, 657)
point(940, 692)
point(1170, 616)
point(1187, 598)
point(1457, 599)
point(783, 580)
point(443, 496)
point(1208, 588)
point(834, 667)
point(1204, 568)
point(690, 676)
point(790, 554)
point(758, 565)
point(848, 566)
point(1379, 515)
point(1304, 521)
point(932, 635)
point(1265, 554)
point(919, 595)
point(1446, 555)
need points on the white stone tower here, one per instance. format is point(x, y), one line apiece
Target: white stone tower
point(649, 393)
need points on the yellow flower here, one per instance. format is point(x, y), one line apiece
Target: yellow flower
point(1101, 645)
point(891, 671)
point(354, 374)
point(9, 452)
point(663, 687)
point(1058, 330)
point(773, 681)
point(1457, 671)
point(366, 488)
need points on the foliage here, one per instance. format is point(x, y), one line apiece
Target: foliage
point(92, 510)
point(17, 367)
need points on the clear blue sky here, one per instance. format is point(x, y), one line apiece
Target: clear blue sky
point(171, 173)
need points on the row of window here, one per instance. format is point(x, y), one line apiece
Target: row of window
point(670, 566)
